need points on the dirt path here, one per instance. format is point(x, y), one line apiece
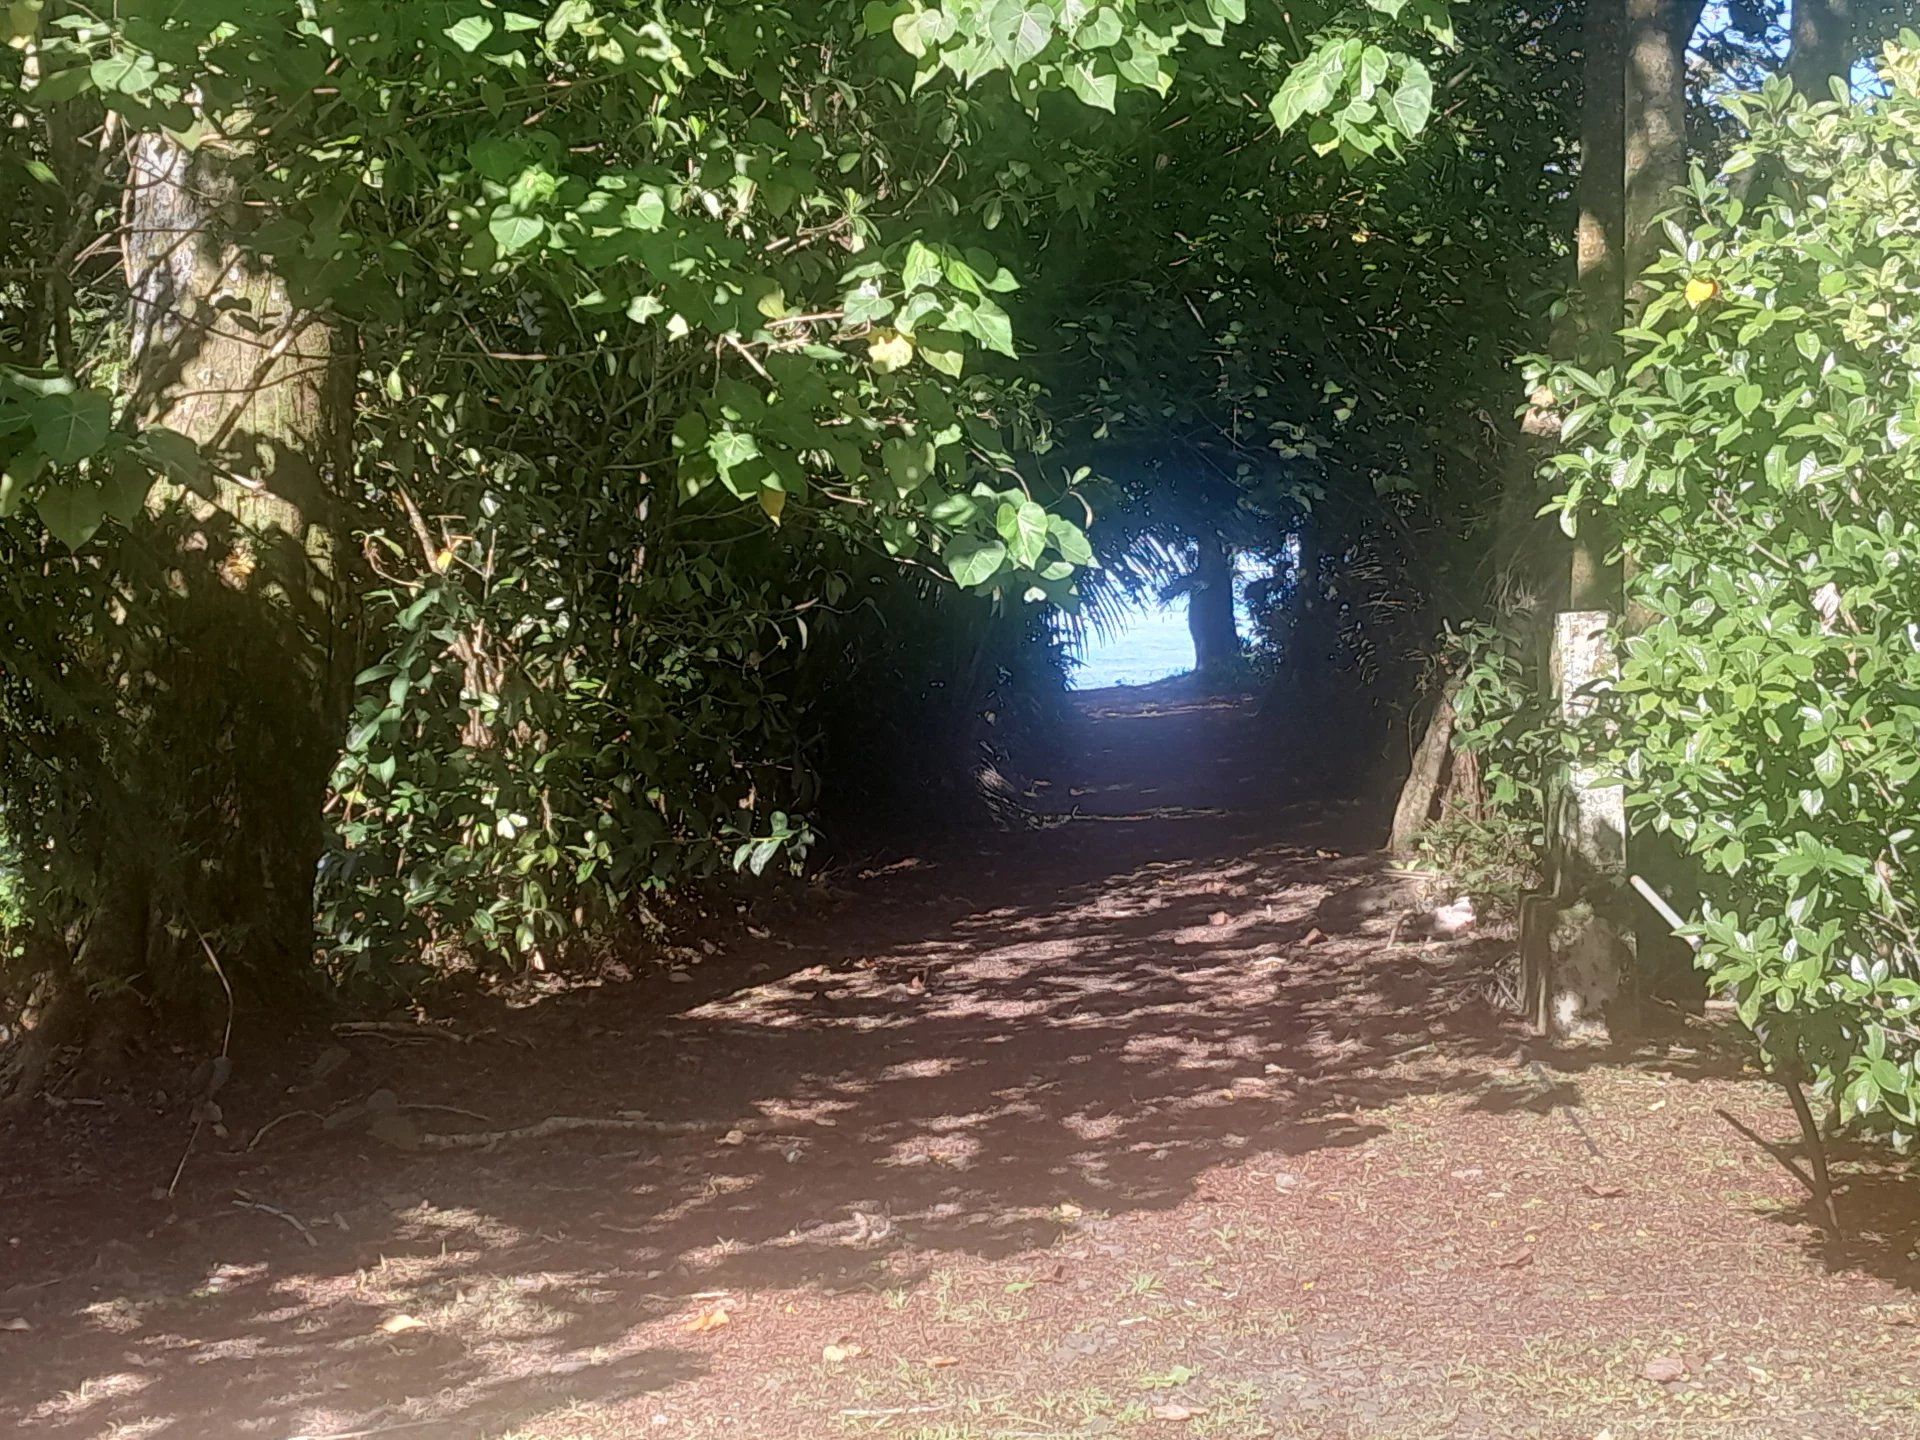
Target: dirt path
point(1075, 1137)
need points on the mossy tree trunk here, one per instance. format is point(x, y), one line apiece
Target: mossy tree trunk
point(230, 675)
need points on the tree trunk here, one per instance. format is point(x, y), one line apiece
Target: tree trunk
point(1423, 781)
point(1823, 46)
point(1656, 125)
point(1600, 258)
point(1216, 638)
point(246, 687)
point(1599, 255)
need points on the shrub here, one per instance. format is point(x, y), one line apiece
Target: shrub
point(1760, 458)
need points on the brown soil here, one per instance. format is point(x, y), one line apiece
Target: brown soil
point(1079, 1132)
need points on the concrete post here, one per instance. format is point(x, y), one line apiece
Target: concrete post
point(1575, 948)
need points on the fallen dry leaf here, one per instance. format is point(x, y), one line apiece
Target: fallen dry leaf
point(1515, 1259)
point(1312, 937)
point(1219, 917)
point(1067, 1210)
point(1175, 1411)
point(401, 1324)
point(1603, 1191)
point(840, 1354)
point(709, 1320)
point(1665, 1369)
point(942, 1362)
point(16, 1323)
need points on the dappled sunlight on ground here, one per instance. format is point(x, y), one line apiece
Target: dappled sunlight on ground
point(1064, 1135)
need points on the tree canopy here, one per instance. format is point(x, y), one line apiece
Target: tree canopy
point(469, 470)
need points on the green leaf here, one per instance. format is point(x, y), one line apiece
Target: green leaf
point(922, 267)
point(1023, 525)
point(73, 512)
point(731, 449)
point(974, 561)
point(1310, 86)
point(470, 33)
point(176, 456)
point(568, 15)
point(940, 351)
point(1070, 540)
point(70, 426)
point(860, 309)
point(648, 211)
point(956, 510)
point(1411, 104)
point(1747, 398)
point(1092, 87)
point(124, 491)
point(125, 72)
point(514, 232)
point(918, 31)
point(1373, 70)
point(994, 329)
point(908, 463)
point(1828, 764)
point(1019, 30)
point(1102, 30)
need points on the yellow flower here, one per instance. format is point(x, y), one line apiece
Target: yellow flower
point(1700, 290)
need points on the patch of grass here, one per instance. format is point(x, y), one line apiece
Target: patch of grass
point(1169, 1379)
point(1261, 1325)
point(952, 1306)
point(1234, 1412)
point(495, 1308)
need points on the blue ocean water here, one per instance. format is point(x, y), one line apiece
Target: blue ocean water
point(1154, 645)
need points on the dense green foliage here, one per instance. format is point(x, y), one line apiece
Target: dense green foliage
point(708, 406)
point(684, 380)
point(1759, 457)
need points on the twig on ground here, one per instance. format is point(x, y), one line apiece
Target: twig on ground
point(362, 1434)
point(181, 1168)
point(226, 1046)
point(226, 1040)
point(445, 1110)
point(400, 1030)
point(263, 1131)
point(627, 1122)
point(263, 1207)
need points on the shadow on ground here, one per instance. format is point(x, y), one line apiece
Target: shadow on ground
point(1093, 1018)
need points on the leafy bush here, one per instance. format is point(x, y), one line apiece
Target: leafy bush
point(1490, 834)
point(1760, 457)
point(1502, 718)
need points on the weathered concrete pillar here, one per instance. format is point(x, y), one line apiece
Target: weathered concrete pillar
point(1576, 950)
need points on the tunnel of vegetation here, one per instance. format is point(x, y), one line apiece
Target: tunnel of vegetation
point(474, 470)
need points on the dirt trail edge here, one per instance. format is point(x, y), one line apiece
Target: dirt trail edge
point(1088, 1131)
